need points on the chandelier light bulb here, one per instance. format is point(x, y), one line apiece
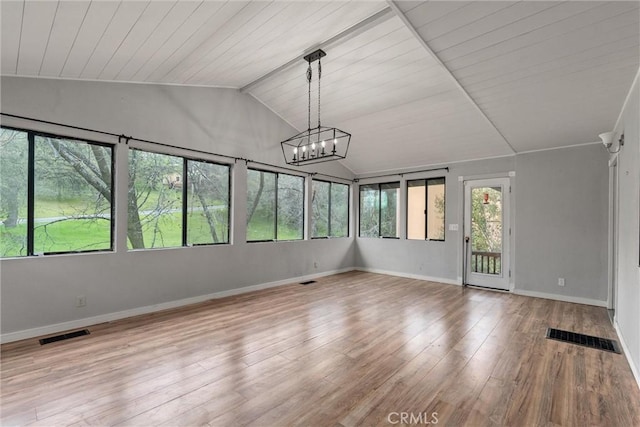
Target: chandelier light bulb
point(322, 143)
point(304, 148)
point(295, 150)
point(313, 145)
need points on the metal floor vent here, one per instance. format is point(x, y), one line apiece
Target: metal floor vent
point(66, 336)
point(584, 340)
point(308, 282)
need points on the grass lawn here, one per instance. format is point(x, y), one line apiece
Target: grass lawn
point(84, 235)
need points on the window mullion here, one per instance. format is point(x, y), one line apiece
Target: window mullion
point(329, 211)
point(31, 162)
point(426, 209)
point(185, 185)
point(379, 211)
point(275, 216)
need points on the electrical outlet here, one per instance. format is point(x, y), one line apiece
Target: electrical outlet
point(81, 301)
point(560, 281)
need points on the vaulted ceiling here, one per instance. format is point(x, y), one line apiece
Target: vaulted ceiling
point(416, 83)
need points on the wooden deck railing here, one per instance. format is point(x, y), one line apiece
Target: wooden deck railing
point(486, 262)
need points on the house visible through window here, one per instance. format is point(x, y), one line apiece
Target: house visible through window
point(426, 209)
point(174, 201)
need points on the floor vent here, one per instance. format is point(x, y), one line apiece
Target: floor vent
point(308, 282)
point(67, 336)
point(584, 340)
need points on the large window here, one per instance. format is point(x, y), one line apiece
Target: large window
point(330, 209)
point(175, 201)
point(55, 194)
point(379, 210)
point(425, 209)
point(207, 203)
point(275, 206)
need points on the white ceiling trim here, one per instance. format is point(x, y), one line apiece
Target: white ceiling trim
point(78, 79)
point(350, 32)
point(626, 100)
point(430, 51)
point(416, 169)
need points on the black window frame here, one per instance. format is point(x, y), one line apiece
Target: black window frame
point(185, 223)
point(426, 207)
point(31, 161)
point(379, 185)
point(329, 236)
point(275, 216)
point(184, 197)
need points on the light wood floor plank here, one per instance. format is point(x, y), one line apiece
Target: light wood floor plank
point(348, 350)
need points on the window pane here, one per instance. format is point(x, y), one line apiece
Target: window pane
point(207, 203)
point(369, 210)
point(14, 152)
point(72, 199)
point(155, 200)
point(389, 209)
point(416, 209)
point(261, 205)
point(339, 210)
point(320, 209)
point(435, 209)
point(290, 207)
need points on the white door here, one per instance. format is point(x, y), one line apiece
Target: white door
point(487, 232)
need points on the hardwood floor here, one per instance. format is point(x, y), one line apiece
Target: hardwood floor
point(355, 349)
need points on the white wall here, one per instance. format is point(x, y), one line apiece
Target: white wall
point(428, 259)
point(627, 315)
point(558, 218)
point(562, 222)
point(38, 292)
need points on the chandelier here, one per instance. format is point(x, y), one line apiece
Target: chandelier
point(319, 144)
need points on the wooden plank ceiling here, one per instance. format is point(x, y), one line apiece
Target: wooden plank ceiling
point(433, 82)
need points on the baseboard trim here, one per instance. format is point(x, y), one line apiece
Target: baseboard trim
point(627, 354)
point(410, 276)
point(563, 298)
point(109, 317)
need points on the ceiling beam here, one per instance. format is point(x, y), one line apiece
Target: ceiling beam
point(347, 34)
point(400, 14)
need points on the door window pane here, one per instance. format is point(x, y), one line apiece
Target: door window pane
point(486, 230)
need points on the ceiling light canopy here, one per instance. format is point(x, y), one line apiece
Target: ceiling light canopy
point(319, 144)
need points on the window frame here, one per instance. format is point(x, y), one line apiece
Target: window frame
point(328, 236)
point(31, 162)
point(426, 209)
point(184, 198)
point(379, 185)
point(275, 219)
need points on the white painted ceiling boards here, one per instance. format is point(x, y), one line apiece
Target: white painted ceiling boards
point(416, 83)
